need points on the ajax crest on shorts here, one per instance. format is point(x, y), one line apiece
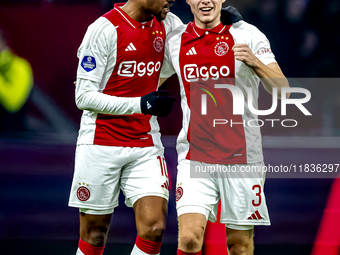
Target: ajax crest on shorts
point(179, 193)
point(83, 193)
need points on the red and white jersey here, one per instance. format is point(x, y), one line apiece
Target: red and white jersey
point(203, 60)
point(120, 58)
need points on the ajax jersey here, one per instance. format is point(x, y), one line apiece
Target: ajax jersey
point(120, 57)
point(218, 126)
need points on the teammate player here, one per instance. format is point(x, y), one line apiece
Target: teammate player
point(118, 147)
point(219, 67)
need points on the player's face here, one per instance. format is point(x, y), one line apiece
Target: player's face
point(158, 8)
point(207, 13)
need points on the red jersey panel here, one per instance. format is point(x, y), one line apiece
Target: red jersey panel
point(218, 124)
point(205, 59)
point(125, 57)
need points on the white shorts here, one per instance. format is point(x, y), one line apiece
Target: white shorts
point(101, 171)
point(242, 199)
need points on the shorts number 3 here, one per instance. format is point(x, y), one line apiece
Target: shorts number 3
point(257, 189)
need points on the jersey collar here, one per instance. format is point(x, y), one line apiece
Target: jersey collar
point(219, 29)
point(133, 23)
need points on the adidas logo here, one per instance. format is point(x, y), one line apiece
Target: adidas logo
point(165, 185)
point(192, 51)
point(255, 216)
point(148, 105)
point(130, 47)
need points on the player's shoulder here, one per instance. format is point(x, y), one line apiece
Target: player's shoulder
point(101, 31)
point(101, 24)
point(177, 32)
point(171, 22)
point(246, 28)
point(171, 17)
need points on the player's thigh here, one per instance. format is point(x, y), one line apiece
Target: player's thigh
point(145, 175)
point(243, 201)
point(95, 186)
point(195, 195)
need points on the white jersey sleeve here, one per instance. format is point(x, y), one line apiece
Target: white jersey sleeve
point(262, 49)
point(95, 53)
point(171, 45)
point(167, 68)
point(87, 98)
point(257, 41)
point(97, 45)
point(171, 22)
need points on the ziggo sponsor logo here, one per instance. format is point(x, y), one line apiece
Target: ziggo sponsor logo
point(192, 72)
point(130, 68)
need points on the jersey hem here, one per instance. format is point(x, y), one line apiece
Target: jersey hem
point(229, 162)
point(92, 207)
point(268, 61)
point(125, 144)
point(245, 222)
point(205, 207)
point(254, 161)
point(129, 201)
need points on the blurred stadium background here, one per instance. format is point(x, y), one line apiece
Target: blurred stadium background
point(36, 164)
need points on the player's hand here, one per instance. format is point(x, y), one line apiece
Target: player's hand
point(157, 103)
point(243, 53)
point(230, 15)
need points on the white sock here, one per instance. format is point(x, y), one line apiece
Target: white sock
point(79, 252)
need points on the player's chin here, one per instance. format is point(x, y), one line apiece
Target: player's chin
point(206, 20)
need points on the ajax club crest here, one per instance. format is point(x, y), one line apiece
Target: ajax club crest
point(221, 48)
point(179, 193)
point(158, 43)
point(83, 193)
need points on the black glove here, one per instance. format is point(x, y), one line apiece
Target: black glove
point(157, 103)
point(230, 15)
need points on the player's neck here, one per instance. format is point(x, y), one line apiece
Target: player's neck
point(136, 12)
point(207, 25)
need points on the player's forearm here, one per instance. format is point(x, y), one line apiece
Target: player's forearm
point(101, 103)
point(271, 77)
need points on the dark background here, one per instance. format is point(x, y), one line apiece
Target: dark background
point(36, 165)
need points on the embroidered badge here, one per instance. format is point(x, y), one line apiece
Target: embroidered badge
point(158, 43)
point(221, 48)
point(83, 193)
point(179, 193)
point(88, 63)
